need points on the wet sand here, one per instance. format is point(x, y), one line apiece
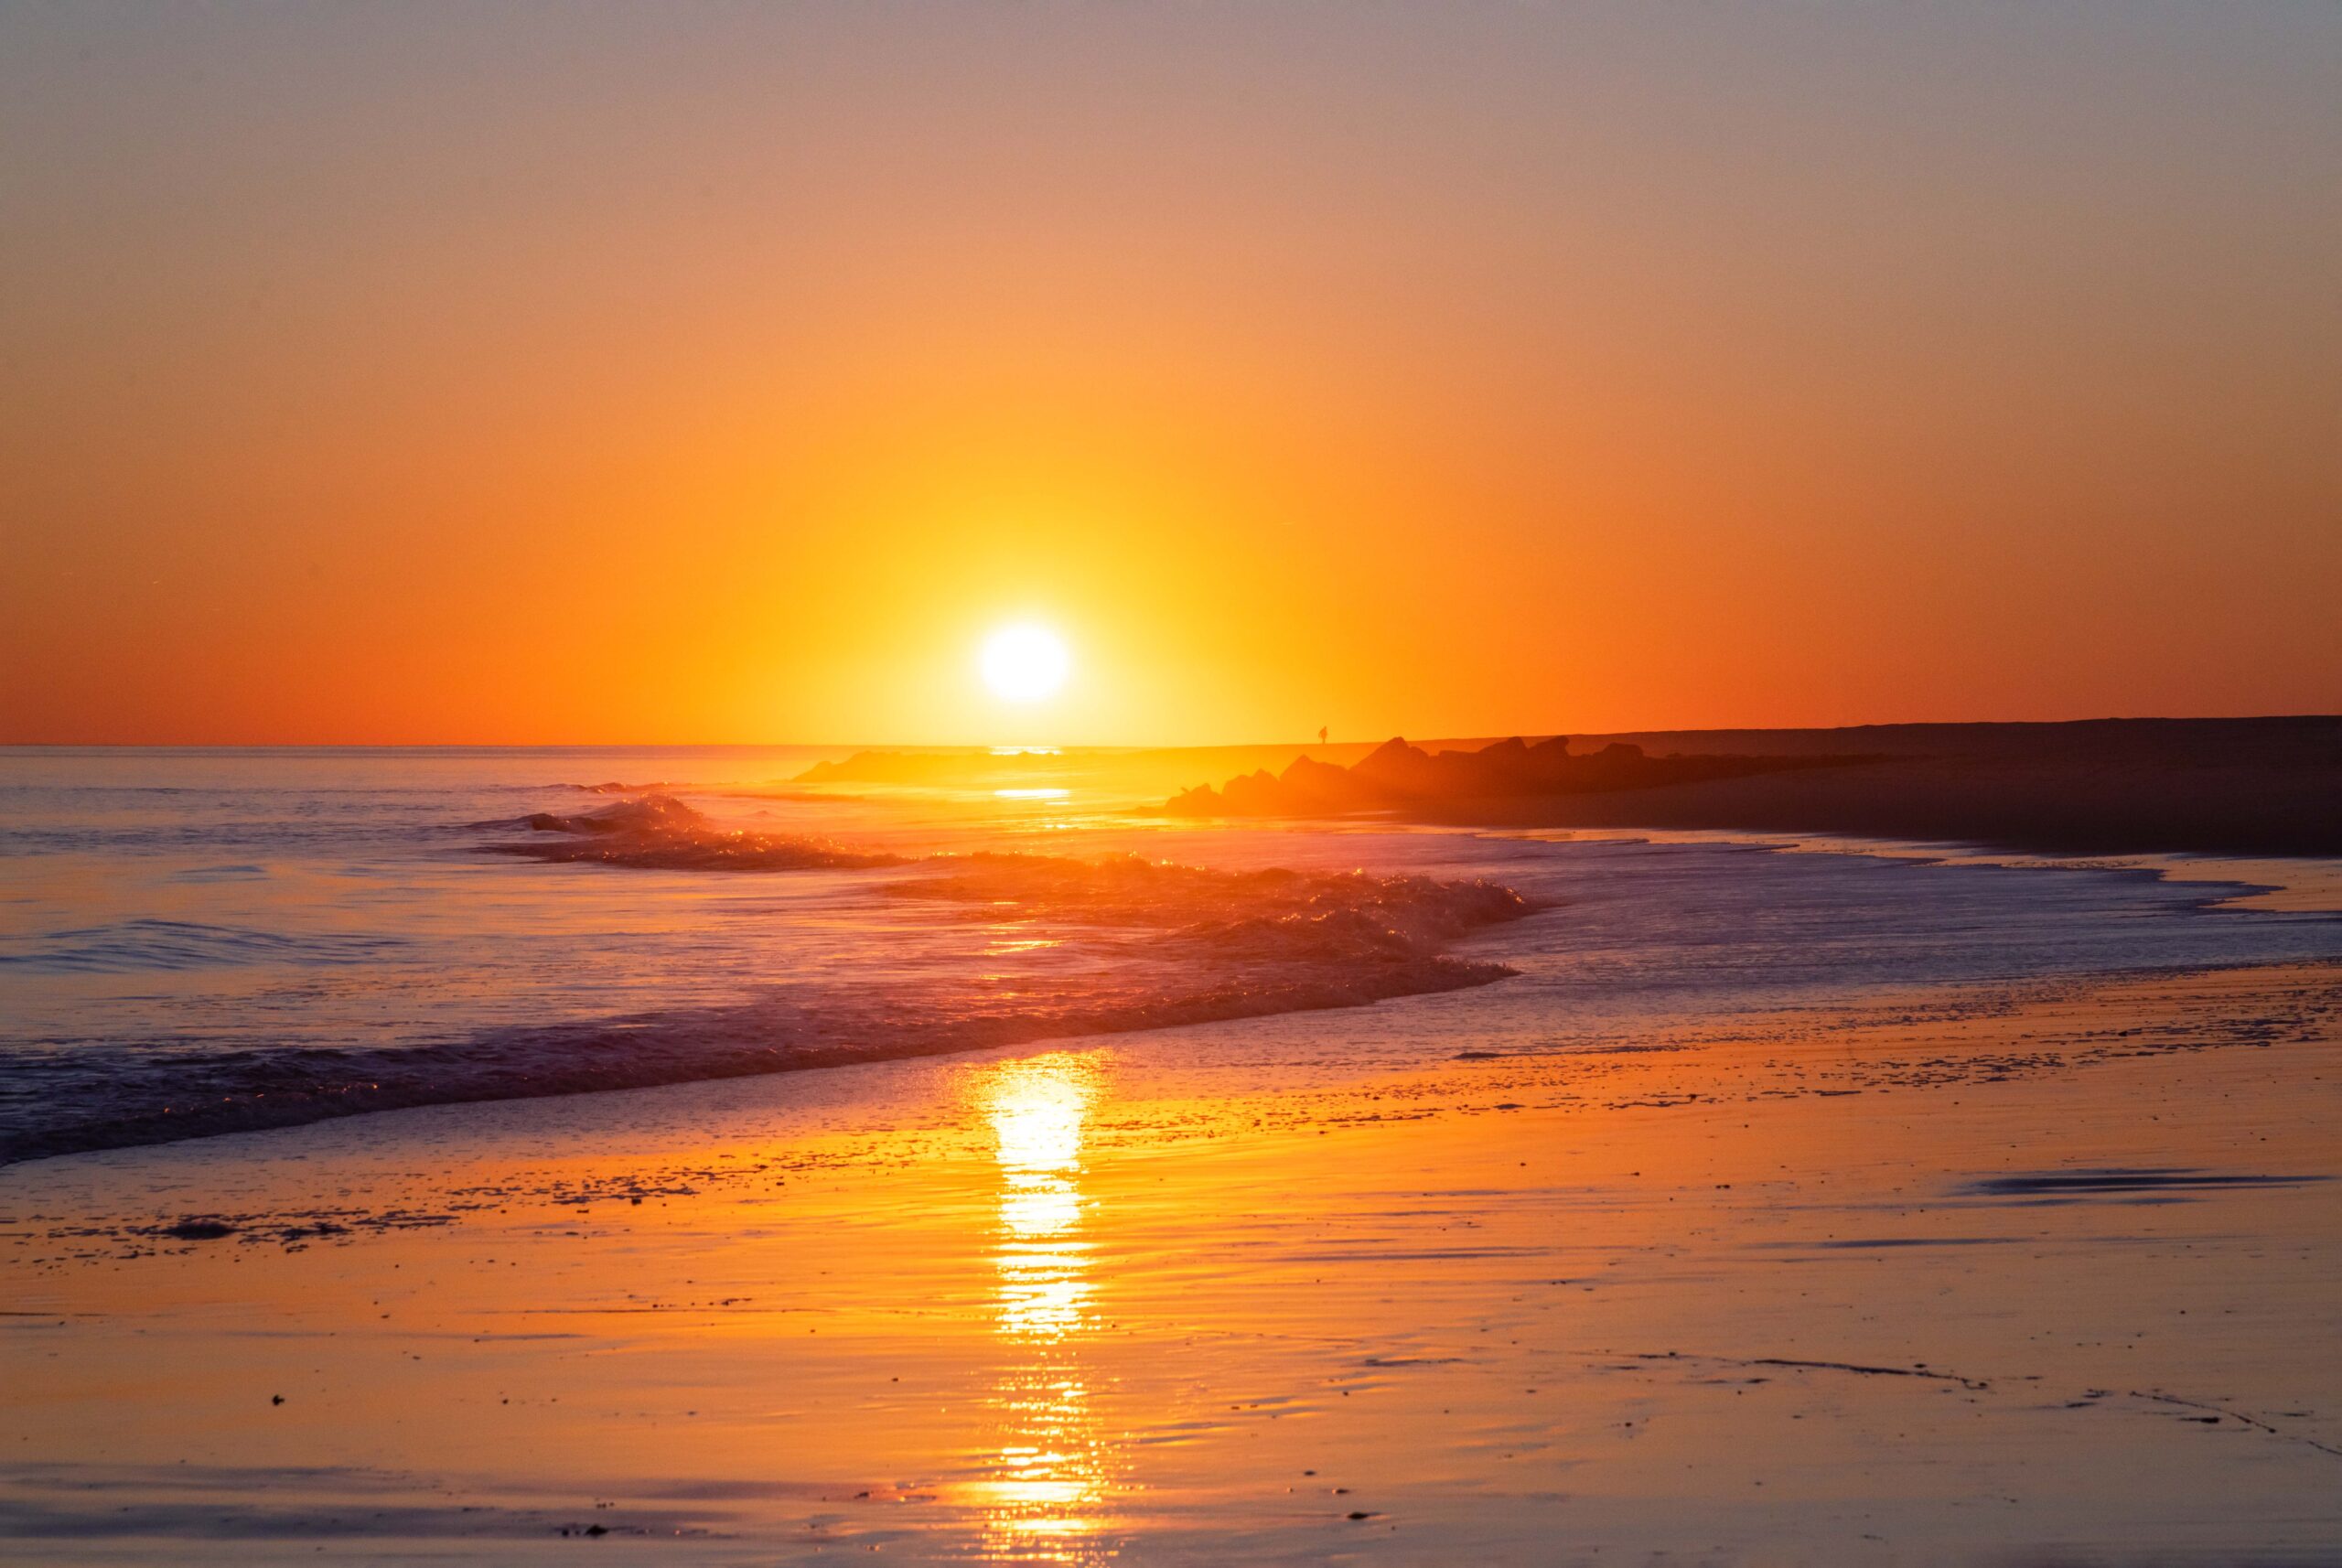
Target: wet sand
point(2049, 1274)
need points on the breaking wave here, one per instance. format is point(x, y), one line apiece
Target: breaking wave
point(1054, 948)
point(659, 832)
point(1243, 918)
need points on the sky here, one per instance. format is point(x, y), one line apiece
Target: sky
point(699, 372)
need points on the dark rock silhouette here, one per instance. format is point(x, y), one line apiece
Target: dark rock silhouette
point(1396, 775)
point(2249, 786)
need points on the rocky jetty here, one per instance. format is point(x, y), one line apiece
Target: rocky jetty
point(1397, 776)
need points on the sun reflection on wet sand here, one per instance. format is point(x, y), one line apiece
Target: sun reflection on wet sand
point(1051, 1468)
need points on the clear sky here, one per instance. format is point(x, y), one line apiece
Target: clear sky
point(671, 372)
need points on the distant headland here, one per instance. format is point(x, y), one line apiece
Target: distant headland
point(2257, 786)
point(1396, 775)
point(2250, 786)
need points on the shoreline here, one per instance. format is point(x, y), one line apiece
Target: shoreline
point(1774, 1272)
point(2294, 886)
point(2300, 885)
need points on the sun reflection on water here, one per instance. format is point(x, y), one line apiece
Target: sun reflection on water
point(1050, 1473)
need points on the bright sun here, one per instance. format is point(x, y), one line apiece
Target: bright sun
point(1025, 663)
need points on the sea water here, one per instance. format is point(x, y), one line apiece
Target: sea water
point(203, 940)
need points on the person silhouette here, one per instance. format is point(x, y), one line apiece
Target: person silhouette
point(1321, 734)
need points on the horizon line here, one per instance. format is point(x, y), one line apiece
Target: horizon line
point(1124, 746)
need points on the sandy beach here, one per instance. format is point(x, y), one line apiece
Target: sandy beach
point(2030, 1274)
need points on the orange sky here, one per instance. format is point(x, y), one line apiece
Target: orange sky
point(723, 373)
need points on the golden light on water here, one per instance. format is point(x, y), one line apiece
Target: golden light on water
point(1051, 1467)
point(1037, 1108)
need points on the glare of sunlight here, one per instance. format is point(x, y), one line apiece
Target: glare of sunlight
point(1049, 1475)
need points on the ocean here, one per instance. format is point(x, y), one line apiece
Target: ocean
point(195, 942)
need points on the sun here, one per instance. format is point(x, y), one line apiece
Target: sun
point(1025, 663)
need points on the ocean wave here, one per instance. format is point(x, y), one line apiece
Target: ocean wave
point(130, 946)
point(1114, 946)
point(659, 832)
point(1273, 916)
